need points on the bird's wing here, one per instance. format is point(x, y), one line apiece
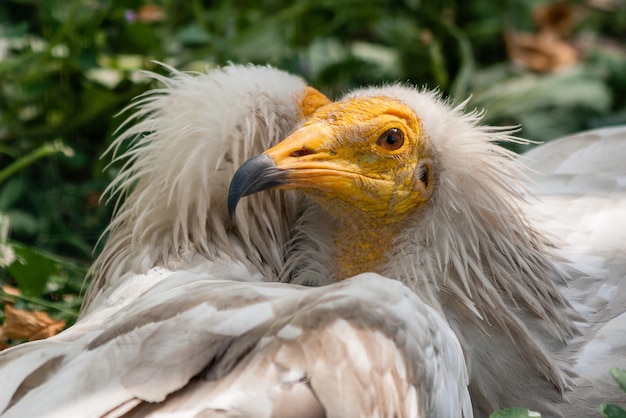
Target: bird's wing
point(198, 344)
point(581, 182)
point(590, 162)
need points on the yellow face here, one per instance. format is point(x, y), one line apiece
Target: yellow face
point(367, 154)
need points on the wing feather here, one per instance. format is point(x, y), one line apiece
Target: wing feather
point(581, 181)
point(237, 348)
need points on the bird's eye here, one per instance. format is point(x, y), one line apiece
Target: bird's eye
point(391, 140)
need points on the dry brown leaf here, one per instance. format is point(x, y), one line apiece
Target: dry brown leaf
point(3, 339)
point(26, 325)
point(541, 52)
point(556, 17)
point(150, 13)
point(10, 290)
point(547, 49)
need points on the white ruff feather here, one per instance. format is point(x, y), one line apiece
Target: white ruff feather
point(189, 137)
point(474, 253)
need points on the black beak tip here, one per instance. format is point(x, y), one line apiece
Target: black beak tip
point(233, 199)
point(257, 174)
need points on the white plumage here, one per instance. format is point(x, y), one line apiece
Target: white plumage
point(581, 186)
point(178, 319)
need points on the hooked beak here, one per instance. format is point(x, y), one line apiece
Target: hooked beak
point(255, 175)
point(300, 161)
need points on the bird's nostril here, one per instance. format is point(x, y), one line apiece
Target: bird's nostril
point(301, 152)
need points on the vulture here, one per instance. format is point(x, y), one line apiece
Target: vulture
point(274, 253)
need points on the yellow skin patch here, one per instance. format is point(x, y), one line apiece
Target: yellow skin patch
point(311, 101)
point(342, 159)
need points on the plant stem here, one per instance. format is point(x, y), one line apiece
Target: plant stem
point(38, 153)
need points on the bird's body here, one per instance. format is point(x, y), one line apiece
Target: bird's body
point(480, 281)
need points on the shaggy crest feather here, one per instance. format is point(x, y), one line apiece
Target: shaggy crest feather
point(179, 168)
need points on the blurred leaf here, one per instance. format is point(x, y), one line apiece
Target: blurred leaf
point(547, 107)
point(139, 37)
point(10, 192)
point(192, 34)
point(620, 377)
point(612, 411)
point(261, 43)
point(22, 222)
point(515, 413)
point(31, 270)
point(384, 60)
point(28, 159)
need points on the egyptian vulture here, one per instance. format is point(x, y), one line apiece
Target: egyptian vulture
point(390, 260)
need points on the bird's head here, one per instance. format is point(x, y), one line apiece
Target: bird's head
point(419, 191)
point(403, 176)
point(363, 157)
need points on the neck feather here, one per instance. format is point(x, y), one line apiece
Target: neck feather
point(361, 246)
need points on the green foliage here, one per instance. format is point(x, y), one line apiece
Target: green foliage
point(620, 377)
point(515, 413)
point(31, 270)
point(68, 67)
point(47, 282)
point(610, 410)
point(613, 411)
